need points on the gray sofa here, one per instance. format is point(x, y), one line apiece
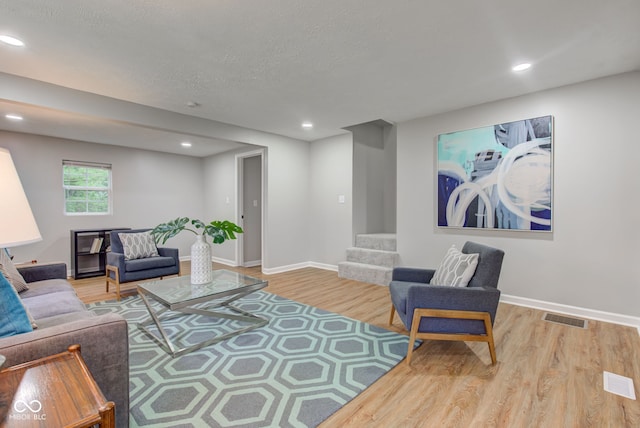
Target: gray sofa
point(63, 320)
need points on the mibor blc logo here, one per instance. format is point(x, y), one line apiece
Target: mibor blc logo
point(28, 410)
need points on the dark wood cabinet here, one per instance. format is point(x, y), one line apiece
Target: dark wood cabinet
point(89, 251)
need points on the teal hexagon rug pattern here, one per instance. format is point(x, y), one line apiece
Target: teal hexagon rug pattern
point(296, 371)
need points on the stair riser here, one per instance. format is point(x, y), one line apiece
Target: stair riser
point(386, 259)
point(374, 242)
point(378, 276)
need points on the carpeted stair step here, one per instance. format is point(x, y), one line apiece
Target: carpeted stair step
point(371, 260)
point(372, 257)
point(365, 272)
point(377, 241)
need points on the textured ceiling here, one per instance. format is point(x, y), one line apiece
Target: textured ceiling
point(269, 65)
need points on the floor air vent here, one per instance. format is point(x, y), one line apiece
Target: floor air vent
point(561, 319)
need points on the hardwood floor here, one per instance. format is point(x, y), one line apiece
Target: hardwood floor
point(547, 375)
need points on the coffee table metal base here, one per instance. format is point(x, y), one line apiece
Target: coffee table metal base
point(172, 348)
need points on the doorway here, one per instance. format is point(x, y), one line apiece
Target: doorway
point(251, 203)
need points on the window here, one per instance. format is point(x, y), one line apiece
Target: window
point(87, 188)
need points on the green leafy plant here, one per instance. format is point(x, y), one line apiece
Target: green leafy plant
point(219, 231)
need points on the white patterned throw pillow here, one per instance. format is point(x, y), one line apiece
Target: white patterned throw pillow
point(11, 273)
point(456, 269)
point(138, 245)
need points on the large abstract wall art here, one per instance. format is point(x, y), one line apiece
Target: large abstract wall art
point(497, 177)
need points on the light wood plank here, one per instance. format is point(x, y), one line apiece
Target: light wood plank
point(547, 375)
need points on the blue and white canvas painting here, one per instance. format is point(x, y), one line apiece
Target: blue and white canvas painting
point(497, 177)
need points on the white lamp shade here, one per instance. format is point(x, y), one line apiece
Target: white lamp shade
point(17, 224)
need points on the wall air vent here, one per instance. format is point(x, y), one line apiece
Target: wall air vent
point(561, 319)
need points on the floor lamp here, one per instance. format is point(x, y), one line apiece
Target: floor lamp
point(17, 224)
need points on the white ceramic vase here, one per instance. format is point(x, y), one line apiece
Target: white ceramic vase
point(201, 265)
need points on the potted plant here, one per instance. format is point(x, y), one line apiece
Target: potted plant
point(219, 231)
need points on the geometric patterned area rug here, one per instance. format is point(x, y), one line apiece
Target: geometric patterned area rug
point(296, 371)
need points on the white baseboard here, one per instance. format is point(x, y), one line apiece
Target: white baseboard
point(231, 263)
point(271, 271)
point(287, 268)
point(593, 314)
point(324, 266)
point(224, 261)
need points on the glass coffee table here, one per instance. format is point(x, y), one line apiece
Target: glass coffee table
point(178, 295)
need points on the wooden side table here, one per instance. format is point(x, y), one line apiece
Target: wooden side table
point(55, 391)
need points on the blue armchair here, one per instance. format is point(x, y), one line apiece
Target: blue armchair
point(438, 312)
point(120, 270)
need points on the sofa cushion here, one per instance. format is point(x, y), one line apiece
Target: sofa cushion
point(13, 315)
point(10, 272)
point(138, 245)
point(47, 286)
point(64, 318)
point(456, 269)
point(48, 305)
point(149, 263)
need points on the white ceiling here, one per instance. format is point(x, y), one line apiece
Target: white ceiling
point(74, 126)
point(269, 65)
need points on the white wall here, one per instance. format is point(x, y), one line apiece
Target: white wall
point(287, 205)
point(330, 221)
point(389, 198)
point(148, 188)
point(374, 178)
point(287, 226)
point(588, 261)
point(368, 188)
point(153, 187)
point(220, 199)
point(591, 258)
point(288, 159)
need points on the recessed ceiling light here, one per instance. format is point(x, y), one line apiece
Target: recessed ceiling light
point(307, 125)
point(185, 144)
point(522, 67)
point(13, 117)
point(11, 40)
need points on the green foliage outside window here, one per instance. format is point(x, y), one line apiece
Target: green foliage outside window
point(87, 189)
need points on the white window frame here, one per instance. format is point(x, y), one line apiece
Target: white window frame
point(108, 189)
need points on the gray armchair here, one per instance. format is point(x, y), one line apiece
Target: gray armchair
point(449, 313)
point(119, 270)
